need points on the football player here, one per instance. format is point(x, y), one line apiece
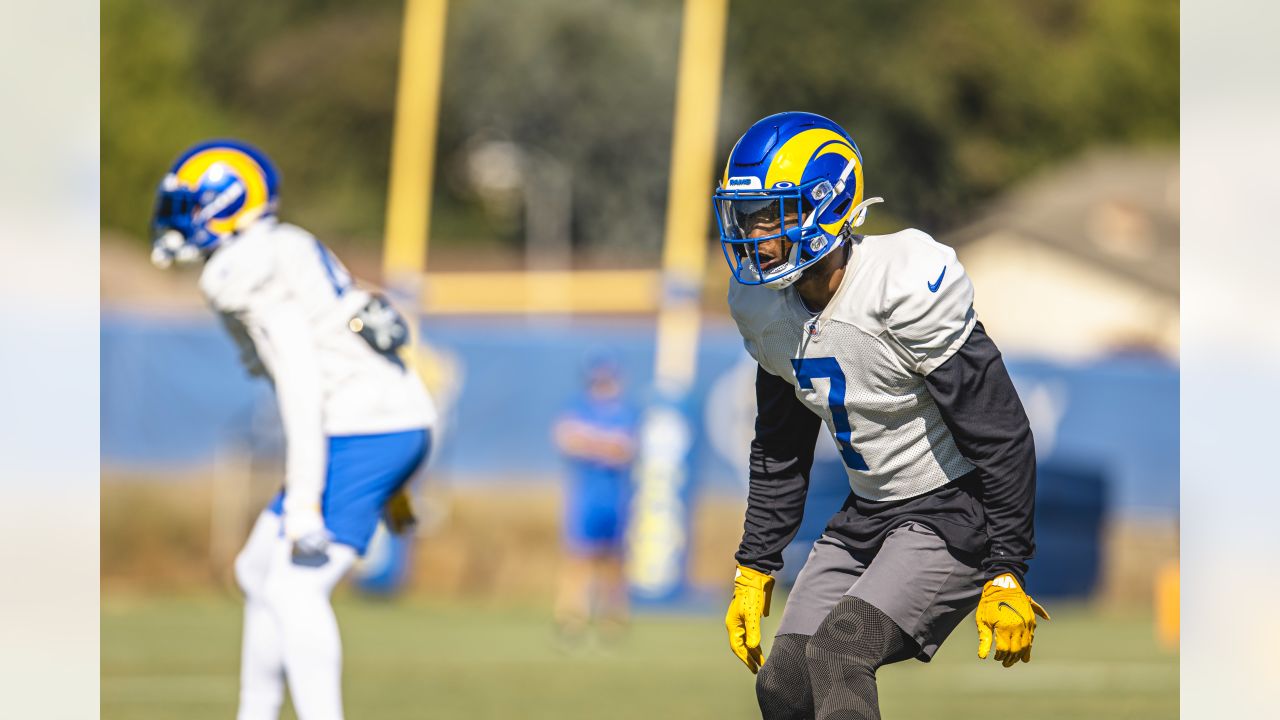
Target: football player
point(876, 338)
point(357, 422)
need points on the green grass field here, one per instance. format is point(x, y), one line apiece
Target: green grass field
point(168, 658)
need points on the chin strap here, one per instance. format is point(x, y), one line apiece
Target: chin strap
point(860, 210)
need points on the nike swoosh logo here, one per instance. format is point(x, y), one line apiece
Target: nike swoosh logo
point(933, 286)
point(1011, 609)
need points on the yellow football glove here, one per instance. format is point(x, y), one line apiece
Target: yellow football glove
point(398, 513)
point(1008, 614)
point(751, 590)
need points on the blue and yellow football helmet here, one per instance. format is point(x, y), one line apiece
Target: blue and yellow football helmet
point(213, 190)
point(793, 176)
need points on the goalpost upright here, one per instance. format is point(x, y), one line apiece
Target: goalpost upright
point(659, 540)
point(413, 143)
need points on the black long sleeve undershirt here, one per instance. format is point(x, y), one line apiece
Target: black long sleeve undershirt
point(987, 514)
point(980, 406)
point(781, 457)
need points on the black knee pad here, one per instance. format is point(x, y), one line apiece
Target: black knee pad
point(859, 632)
point(854, 640)
point(782, 686)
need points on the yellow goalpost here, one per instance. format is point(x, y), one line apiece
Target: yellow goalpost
point(408, 217)
point(658, 539)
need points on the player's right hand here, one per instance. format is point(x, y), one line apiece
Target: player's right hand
point(751, 591)
point(304, 527)
point(398, 513)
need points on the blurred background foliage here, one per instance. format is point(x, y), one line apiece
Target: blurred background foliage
point(950, 102)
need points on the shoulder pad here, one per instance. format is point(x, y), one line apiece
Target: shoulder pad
point(239, 272)
point(753, 308)
point(928, 301)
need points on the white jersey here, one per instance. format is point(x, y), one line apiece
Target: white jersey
point(903, 308)
point(287, 302)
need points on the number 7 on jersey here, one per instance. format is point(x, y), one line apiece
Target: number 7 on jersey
point(809, 368)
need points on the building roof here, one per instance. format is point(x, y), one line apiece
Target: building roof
point(1117, 209)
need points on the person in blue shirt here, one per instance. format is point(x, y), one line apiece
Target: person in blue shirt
point(597, 436)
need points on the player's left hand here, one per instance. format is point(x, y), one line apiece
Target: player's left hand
point(305, 529)
point(398, 514)
point(1007, 614)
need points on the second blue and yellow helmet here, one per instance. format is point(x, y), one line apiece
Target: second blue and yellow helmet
point(793, 176)
point(212, 191)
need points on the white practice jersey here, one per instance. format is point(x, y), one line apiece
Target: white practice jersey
point(904, 307)
point(288, 303)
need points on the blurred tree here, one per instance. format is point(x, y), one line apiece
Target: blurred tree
point(588, 82)
point(151, 106)
point(312, 83)
point(950, 102)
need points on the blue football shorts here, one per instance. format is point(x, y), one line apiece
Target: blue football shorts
point(364, 472)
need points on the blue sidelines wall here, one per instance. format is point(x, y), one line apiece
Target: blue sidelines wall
point(173, 392)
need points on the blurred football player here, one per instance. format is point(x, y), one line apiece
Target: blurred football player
point(357, 423)
point(597, 437)
point(875, 337)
